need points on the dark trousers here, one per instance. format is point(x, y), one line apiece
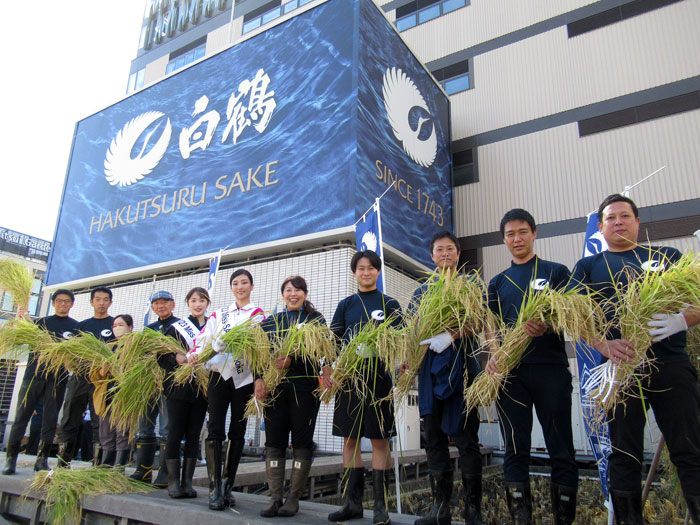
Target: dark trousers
point(185, 419)
point(672, 391)
point(78, 397)
point(291, 411)
point(221, 394)
point(548, 388)
point(32, 391)
point(466, 440)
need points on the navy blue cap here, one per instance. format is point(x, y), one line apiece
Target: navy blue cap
point(162, 294)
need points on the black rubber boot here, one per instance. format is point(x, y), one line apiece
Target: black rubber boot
point(472, 500)
point(519, 501)
point(188, 467)
point(563, 504)
point(161, 481)
point(65, 454)
point(275, 459)
point(380, 487)
point(693, 503)
point(122, 458)
point(233, 458)
point(212, 448)
point(440, 514)
point(145, 452)
point(301, 465)
point(42, 456)
point(627, 506)
point(173, 470)
point(108, 458)
point(354, 489)
point(96, 454)
point(11, 459)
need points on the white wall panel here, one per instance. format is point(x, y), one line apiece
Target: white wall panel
point(557, 175)
point(550, 73)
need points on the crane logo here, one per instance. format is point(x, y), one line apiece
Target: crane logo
point(123, 170)
point(400, 97)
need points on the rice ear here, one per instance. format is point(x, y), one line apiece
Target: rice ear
point(17, 280)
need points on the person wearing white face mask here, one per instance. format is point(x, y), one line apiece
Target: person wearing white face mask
point(114, 443)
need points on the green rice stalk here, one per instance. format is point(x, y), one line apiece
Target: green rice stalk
point(242, 342)
point(651, 292)
point(351, 362)
point(312, 341)
point(17, 334)
point(81, 355)
point(568, 311)
point(17, 280)
point(63, 490)
point(138, 377)
point(452, 302)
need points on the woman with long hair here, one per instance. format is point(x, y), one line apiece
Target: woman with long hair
point(230, 385)
point(294, 406)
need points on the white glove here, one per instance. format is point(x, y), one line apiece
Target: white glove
point(439, 343)
point(665, 325)
point(218, 344)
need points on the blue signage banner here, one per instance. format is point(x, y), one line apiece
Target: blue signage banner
point(284, 134)
point(368, 236)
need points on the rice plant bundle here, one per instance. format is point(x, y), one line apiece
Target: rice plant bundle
point(242, 342)
point(354, 356)
point(311, 341)
point(569, 311)
point(64, 489)
point(19, 332)
point(17, 280)
point(652, 292)
point(81, 355)
point(139, 378)
point(450, 303)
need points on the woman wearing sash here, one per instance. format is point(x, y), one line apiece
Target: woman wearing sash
point(230, 384)
point(186, 405)
point(294, 406)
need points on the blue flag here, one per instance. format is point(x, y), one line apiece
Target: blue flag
point(588, 358)
point(213, 270)
point(368, 236)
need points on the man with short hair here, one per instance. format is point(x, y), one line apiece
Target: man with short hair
point(364, 409)
point(541, 378)
point(669, 384)
point(80, 389)
point(441, 403)
point(38, 384)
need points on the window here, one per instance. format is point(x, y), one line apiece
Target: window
point(7, 302)
point(178, 61)
point(464, 167)
point(268, 13)
point(455, 77)
point(617, 14)
point(135, 81)
point(421, 11)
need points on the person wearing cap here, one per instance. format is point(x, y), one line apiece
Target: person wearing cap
point(38, 384)
point(230, 385)
point(186, 405)
point(79, 390)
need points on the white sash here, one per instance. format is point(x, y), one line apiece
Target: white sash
point(187, 330)
point(237, 370)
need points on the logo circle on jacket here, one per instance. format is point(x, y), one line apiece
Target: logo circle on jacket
point(652, 266)
point(539, 284)
point(106, 332)
point(377, 315)
point(67, 335)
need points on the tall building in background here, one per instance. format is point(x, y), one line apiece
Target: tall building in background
point(554, 105)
